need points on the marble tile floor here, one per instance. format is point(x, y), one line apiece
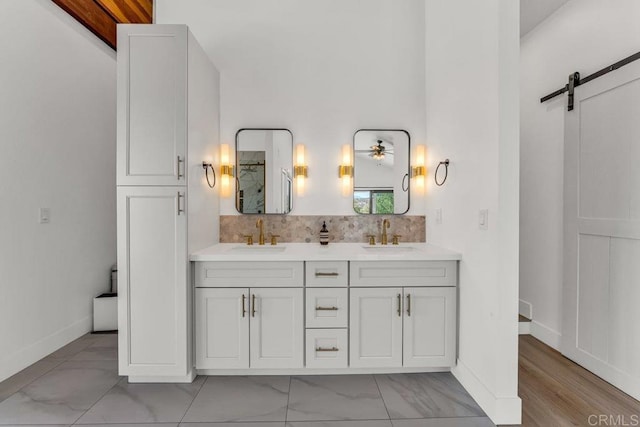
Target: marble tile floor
point(79, 385)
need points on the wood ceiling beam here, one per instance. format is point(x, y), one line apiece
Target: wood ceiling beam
point(126, 11)
point(101, 16)
point(93, 17)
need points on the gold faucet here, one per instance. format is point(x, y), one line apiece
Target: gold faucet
point(385, 225)
point(260, 225)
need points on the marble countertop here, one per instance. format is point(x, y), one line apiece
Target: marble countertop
point(331, 252)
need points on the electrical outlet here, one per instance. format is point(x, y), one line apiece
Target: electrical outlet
point(483, 219)
point(439, 216)
point(45, 216)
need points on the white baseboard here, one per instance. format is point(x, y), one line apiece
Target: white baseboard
point(501, 410)
point(19, 360)
point(545, 334)
point(524, 328)
point(525, 309)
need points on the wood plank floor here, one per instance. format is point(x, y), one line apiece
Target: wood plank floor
point(556, 392)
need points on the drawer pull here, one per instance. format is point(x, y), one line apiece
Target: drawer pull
point(399, 305)
point(327, 308)
point(180, 161)
point(327, 349)
point(253, 305)
point(321, 274)
point(408, 304)
point(244, 310)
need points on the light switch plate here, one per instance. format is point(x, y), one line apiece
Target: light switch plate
point(483, 219)
point(439, 216)
point(45, 216)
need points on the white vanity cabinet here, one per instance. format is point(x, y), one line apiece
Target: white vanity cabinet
point(152, 105)
point(410, 327)
point(153, 294)
point(222, 331)
point(403, 314)
point(242, 321)
point(321, 316)
point(168, 120)
point(276, 328)
point(376, 327)
point(429, 327)
point(241, 328)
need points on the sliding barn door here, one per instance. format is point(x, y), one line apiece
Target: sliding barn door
point(601, 329)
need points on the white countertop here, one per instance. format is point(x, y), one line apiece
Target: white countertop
point(331, 252)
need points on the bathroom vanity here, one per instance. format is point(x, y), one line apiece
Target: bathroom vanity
point(238, 309)
point(343, 308)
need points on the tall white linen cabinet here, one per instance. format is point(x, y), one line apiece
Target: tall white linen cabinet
point(168, 124)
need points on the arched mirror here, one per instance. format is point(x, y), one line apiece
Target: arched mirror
point(381, 171)
point(264, 164)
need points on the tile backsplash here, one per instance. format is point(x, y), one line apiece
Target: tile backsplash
point(342, 228)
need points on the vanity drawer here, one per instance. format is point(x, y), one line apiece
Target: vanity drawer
point(403, 273)
point(327, 273)
point(327, 307)
point(246, 274)
point(327, 348)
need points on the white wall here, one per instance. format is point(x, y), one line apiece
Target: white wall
point(472, 119)
point(322, 69)
point(584, 36)
point(57, 145)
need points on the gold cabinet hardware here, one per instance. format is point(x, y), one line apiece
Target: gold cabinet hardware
point(408, 304)
point(399, 305)
point(274, 239)
point(372, 239)
point(396, 238)
point(249, 239)
point(253, 305)
point(327, 349)
point(244, 310)
point(331, 274)
point(327, 308)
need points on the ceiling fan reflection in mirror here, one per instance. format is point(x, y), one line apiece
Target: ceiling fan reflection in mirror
point(378, 151)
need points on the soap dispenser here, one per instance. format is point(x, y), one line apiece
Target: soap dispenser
point(324, 234)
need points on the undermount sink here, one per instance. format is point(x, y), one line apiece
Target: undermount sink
point(258, 248)
point(390, 248)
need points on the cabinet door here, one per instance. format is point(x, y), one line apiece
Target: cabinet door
point(429, 327)
point(376, 327)
point(222, 328)
point(153, 300)
point(277, 328)
point(152, 104)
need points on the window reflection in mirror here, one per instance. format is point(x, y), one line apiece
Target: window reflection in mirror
point(264, 165)
point(381, 171)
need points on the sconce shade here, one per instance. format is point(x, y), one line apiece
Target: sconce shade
point(300, 169)
point(226, 171)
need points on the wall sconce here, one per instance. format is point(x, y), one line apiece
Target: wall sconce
point(300, 170)
point(418, 171)
point(345, 170)
point(226, 171)
point(209, 166)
